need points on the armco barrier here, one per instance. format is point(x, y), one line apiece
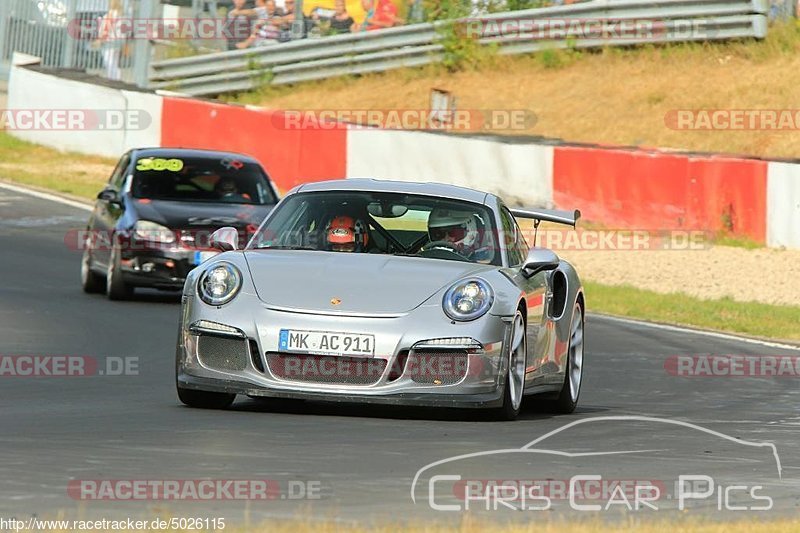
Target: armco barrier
point(291, 156)
point(648, 189)
point(422, 44)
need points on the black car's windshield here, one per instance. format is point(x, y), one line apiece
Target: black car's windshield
point(197, 179)
point(383, 223)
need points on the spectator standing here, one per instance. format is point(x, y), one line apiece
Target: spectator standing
point(284, 22)
point(341, 22)
point(379, 14)
point(111, 40)
point(265, 31)
point(238, 24)
point(338, 21)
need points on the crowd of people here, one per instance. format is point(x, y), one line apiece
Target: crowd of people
point(273, 21)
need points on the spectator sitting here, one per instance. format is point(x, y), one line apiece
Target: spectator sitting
point(337, 22)
point(265, 31)
point(380, 14)
point(237, 24)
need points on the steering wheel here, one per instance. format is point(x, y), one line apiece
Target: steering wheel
point(443, 246)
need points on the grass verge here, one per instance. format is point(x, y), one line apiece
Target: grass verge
point(68, 173)
point(749, 318)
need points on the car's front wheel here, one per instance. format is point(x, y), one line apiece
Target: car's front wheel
point(204, 399)
point(91, 282)
point(571, 389)
point(116, 288)
point(515, 376)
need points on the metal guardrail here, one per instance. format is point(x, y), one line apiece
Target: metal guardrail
point(416, 45)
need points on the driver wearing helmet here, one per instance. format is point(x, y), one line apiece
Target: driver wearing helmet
point(456, 231)
point(453, 229)
point(346, 234)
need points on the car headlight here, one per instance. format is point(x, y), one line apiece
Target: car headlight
point(150, 231)
point(219, 284)
point(468, 300)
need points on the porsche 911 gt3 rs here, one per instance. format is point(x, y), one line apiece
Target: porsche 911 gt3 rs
point(375, 291)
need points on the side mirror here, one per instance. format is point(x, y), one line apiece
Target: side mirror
point(109, 195)
point(225, 239)
point(539, 260)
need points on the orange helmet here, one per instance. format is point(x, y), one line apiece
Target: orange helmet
point(343, 232)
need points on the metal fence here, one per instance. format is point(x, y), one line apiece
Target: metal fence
point(64, 34)
point(421, 44)
point(783, 9)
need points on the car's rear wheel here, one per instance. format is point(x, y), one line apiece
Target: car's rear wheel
point(571, 389)
point(515, 376)
point(91, 282)
point(116, 288)
point(204, 399)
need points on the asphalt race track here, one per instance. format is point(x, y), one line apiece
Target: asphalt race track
point(363, 459)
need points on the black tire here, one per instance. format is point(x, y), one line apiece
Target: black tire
point(116, 288)
point(204, 399)
point(92, 282)
point(509, 411)
point(567, 401)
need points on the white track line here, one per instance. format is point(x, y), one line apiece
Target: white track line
point(46, 196)
point(715, 334)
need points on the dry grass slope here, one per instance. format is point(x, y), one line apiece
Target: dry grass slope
point(612, 96)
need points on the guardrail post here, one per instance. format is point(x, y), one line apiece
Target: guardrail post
point(5, 12)
point(142, 48)
point(298, 26)
point(73, 26)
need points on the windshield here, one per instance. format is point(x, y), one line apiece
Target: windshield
point(383, 223)
point(184, 179)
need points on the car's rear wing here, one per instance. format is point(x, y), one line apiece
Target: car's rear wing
point(569, 218)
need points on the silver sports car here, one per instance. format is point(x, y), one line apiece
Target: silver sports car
point(364, 290)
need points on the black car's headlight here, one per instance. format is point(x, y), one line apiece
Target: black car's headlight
point(151, 231)
point(468, 300)
point(219, 284)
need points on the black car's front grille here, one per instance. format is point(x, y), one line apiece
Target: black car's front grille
point(222, 353)
point(438, 367)
point(332, 370)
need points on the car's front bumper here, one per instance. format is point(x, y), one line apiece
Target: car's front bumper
point(423, 399)
point(248, 367)
point(157, 267)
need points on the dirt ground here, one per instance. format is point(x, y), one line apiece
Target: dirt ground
point(758, 275)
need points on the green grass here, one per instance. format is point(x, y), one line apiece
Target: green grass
point(69, 173)
point(748, 318)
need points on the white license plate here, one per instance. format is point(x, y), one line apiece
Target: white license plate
point(326, 343)
point(202, 257)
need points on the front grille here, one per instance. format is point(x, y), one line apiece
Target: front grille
point(221, 353)
point(332, 370)
point(439, 367)
point(255, 354)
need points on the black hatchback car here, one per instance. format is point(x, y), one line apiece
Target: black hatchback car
point(152, 222)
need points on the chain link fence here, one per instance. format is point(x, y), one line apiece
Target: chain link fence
point(67, 34)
